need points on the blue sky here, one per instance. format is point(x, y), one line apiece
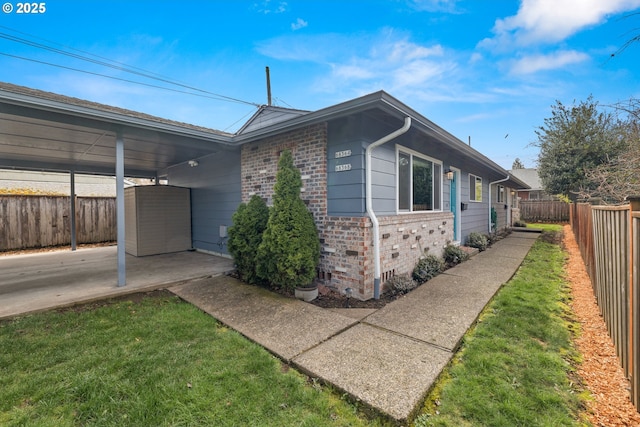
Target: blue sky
point(485, 69)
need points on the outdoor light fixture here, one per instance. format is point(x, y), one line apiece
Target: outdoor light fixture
point(449, 174)
point(193, 163)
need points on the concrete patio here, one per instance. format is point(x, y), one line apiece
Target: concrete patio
point(41, 281)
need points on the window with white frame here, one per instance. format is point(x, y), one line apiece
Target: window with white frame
point(500, 198)
point(419, 182)
point(475, 188)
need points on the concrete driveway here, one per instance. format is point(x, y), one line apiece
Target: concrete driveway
point(41, 281)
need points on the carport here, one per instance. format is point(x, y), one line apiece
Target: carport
point(49, 132)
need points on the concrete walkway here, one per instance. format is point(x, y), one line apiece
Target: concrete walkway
point(388, 358)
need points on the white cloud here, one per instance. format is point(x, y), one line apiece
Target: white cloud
point(560, 59)
point(300, 23)
point(388, 60)
point(266, 7)
point(550, 21)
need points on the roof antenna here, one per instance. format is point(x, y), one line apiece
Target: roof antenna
point(268, 87)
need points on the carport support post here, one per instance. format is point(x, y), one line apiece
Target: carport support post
point(72, 214)
point(122, 280)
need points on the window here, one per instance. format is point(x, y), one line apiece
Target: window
point(500, 198)
point(475, 188)
point(419, 183)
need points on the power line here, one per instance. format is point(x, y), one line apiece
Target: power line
point(114, 65)
point(84, 52)
point(213, 96)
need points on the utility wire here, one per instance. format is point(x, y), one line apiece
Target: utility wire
point(84, 52)
point(117, 66)
point(212, 96)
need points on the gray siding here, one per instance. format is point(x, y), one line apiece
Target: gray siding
point(383, 179)
point(476, 217)
point(345, 189)
point(215, 195)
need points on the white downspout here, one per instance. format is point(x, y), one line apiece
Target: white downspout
point(490, 184)
point(369, 203)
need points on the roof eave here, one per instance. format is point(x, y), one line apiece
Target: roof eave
point(110, 117)
point(393, 106)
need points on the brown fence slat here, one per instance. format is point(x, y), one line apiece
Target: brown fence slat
point(609, 241)
point(544, 211)
point(43, 221)
point(634, 348)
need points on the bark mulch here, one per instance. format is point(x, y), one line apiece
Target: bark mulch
point(600, 368)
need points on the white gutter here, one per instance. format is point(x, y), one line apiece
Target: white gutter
point(370, 212)
point(490, 184)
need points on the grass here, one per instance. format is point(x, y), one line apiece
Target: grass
point(546, 227)
point(515, 366)
point(156, 362)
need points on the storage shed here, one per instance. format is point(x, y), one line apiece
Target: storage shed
point(157, 219)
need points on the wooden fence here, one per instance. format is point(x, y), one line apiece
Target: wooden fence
point(42, 221)
point(609, 240)
point(544, 211)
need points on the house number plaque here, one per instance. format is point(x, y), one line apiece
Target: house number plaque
point(342, 168)
point(341, 154)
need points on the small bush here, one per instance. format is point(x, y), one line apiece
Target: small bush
point(478, 240)
point(427, 268)
point(454, 254)
point(519, 224)
point(249, 222)
point(401, 283)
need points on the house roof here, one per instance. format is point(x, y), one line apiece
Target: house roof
point(384, 107)
point(529, 176)
point(268, 115)
point(43, 130)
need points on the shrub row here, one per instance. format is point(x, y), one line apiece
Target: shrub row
point(430, 266)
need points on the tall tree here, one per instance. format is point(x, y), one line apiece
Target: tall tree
point(618, 178)
point(572, 141)
point(517, 164)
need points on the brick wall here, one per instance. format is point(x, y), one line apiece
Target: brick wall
point(346, 259)
point(347, 248)
point(405, 238)
point(309, 149)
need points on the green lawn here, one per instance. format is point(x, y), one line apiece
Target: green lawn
point(162, 362)
point(515, 366)
point(158, 362)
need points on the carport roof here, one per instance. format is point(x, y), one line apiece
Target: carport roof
point(47, 131)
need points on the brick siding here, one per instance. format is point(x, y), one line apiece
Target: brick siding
point(346, 259)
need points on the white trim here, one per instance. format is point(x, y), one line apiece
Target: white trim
point(369, 202)
point(458, 214)
point(433, 160)
point(498, 193)
point(481, 188)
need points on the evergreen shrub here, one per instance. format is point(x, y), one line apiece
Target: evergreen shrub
point(401, 283)
point(427, 268)
point(245, 235)
point(478, 240)
point(290, 248)
point(454, 254)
